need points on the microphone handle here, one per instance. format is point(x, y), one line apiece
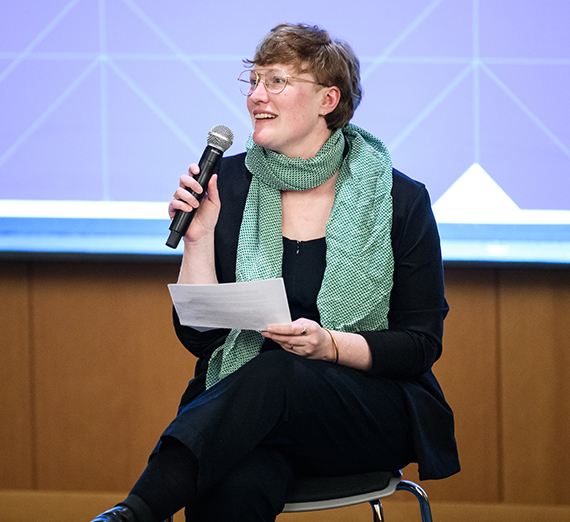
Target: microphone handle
point(179, 225)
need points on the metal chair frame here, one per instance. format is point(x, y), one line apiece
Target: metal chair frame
point(396, 483)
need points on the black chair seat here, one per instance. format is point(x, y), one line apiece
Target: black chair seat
point(317, 493)
point(312, 489)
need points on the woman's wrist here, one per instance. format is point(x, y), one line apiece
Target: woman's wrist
point(334, 357)
point(198, 262)
point(352, 349)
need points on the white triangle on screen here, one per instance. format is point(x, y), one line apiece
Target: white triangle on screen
point(475, 198)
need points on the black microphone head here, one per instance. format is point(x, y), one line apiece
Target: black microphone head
point(220, 137)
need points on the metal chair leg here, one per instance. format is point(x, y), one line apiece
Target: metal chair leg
point(377, 511)
point(420, 494)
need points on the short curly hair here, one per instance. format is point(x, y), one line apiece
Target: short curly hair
point(311, 49)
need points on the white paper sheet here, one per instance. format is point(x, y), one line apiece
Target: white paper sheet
point(248, 306)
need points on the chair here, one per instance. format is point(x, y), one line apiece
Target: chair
point(317, 493)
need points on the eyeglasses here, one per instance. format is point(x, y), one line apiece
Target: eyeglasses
point(275, 81)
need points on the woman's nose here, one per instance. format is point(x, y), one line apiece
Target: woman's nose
point(260, 92)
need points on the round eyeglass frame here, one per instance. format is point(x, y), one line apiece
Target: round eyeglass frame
point(245, 78)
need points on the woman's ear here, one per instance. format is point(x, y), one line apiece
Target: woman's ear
point(331, 99)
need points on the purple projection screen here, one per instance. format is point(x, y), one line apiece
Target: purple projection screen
point(105, 103)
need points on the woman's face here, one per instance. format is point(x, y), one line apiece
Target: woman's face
point(291, 122)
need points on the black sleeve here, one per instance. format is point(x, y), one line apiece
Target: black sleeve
point(413, 340)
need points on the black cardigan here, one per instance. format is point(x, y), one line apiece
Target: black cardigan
point(405, 351)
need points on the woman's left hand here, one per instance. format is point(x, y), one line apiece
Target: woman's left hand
point(303, 337)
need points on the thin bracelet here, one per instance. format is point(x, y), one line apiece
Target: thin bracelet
point(334, 344)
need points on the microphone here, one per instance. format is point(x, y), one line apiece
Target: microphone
point(220, 139)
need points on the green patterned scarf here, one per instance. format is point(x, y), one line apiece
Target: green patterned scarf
point(355, 292)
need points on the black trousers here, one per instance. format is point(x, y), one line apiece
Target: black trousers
point(281, 414)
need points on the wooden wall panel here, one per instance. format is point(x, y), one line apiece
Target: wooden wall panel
point(16, 414)
point(535, 360)
point(109, 371)
point(467, 372)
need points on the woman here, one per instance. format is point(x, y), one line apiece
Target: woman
point(347, 387)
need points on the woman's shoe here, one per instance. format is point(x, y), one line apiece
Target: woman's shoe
point(117, 514)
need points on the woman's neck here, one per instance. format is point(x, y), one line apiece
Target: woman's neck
point(305, 213)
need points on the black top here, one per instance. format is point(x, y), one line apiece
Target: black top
point(405, 351)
